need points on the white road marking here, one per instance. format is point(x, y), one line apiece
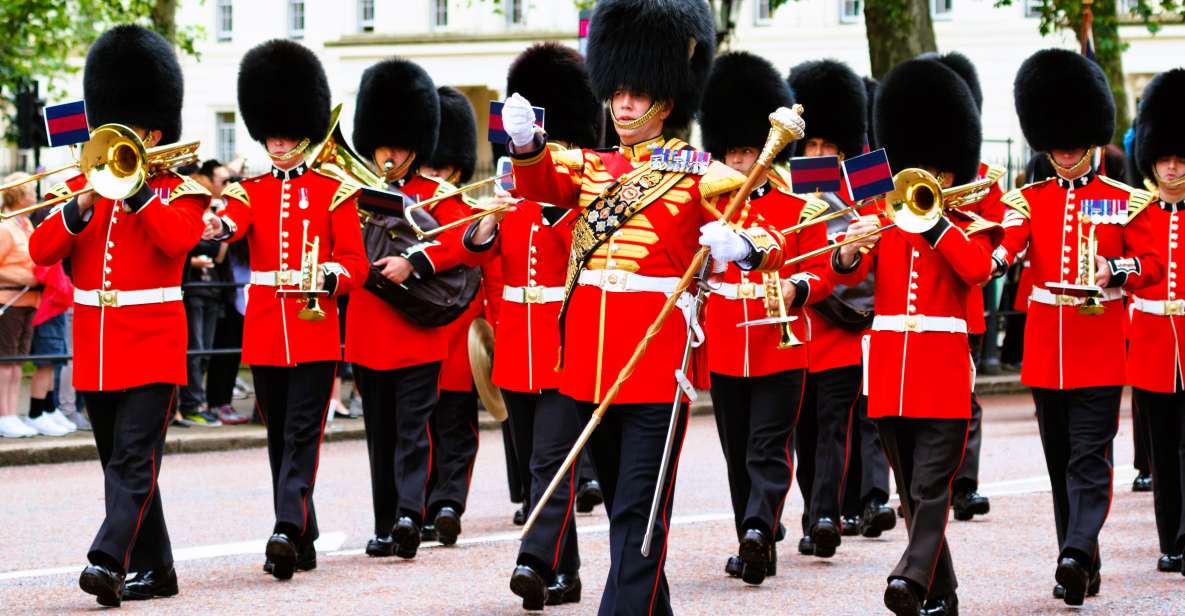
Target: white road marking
point(330, 543)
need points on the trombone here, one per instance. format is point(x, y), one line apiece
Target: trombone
point(116, 164)
point(428, 233)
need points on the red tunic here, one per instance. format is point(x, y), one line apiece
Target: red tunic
point(372, 324)
point(1064, 349)
point(991, 209)
point(831, 346)
point(270, 211)
point(128, 346)
point(1157, 341)
point(602, 327)
point(924, 373)
point(753, 351)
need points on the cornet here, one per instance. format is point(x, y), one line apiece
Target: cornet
point(308, 286)
point(116, 164)
point(1085, 287)
point(775, 311)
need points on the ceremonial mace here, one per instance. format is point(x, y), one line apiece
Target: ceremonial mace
point(786, 126)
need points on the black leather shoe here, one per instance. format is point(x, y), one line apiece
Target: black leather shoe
point(825, 536)
point(754, 552)
point(565, 589)
point(520, 516)
point(1092, 589)
point(528, 584)
point(733, 566)
point(1169, 563)
point(876, 519)
point(281, 552)
point(307, 559)
point(901, 598)
point(407, 537)
point(1143, 483)
point(380, 546)
point(428, 533)
point(849, 525)
point(105, 584)
point(151, 584)
point(448, 525)
point(941, 606)
point(1073, 578)
point(589, 497)
point(967, 505)
point(806, 547)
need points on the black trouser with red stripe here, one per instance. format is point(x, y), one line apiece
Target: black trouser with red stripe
point(627, 451)
point(396, 405)
point(1163, 416)
point(129, 429)
point(545, 426)
point(755, 417)
point(968, 477)
point(836, 397)
point(453, 429)
point(925, 455)
point(293, 402)
point(1078, 428)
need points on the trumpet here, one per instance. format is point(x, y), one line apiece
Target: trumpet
point(1086, 286)
point(307, 286)
point(422, 233)
point(116, 164)
point(775, 311)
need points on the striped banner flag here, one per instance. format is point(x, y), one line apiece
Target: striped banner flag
point(496, 133)
point(868, 175)
point(65, 124)
point(814, 174)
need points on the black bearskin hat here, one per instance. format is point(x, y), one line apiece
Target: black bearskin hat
point(283, 92)
point(962, 65)
point(456, 144)
point(1161, 129)
point(732, 121)
point(662, 48)
point(397, 107)
point(1064, 101)
point(835, 104)
point(926, 89)
point(553, 76)
point(870, 87)
point(132, 78)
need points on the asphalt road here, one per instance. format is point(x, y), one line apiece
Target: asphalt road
point(218, 510)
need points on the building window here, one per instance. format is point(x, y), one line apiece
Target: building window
point(1033, 8)
point(941, 9)
point(764, 13)
point(224, 18)
point(851, 11)
point(366, 15)
point(224, 131)
point(296, 18)
point(439, 13)
point(514, 12)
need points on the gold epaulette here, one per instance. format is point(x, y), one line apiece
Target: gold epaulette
point(441, 186)
point(812, 209)
point(235, 190)
point(1015, 199)
point(188, 186)
point(572, 159)
point(978, 223)
point(59, 190)
point(1137, 199)
point(719, 179)
point(994, 173)
point(344, 191)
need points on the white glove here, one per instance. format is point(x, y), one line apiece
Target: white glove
point(724, 242)
point(518, 120)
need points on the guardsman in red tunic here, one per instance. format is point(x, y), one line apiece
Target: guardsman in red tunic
point(918, 369)
point(757, 380)
point(396, 121)
point(532, 244)
point(1073, 361)
point(453, 424)
point(284, 99)
point(636, 234)
point(1157, 334)
point(838, 447)
point(129, 326)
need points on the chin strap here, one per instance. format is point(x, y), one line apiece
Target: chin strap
point(293, 153)
point(1077, 168)
point(655, 109)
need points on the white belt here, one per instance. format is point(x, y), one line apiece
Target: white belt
point(116, 299)
point(533, 295)
point(918, 323)
point(1164, 308)
point(276, 279)
point(744, 290)
point(621, 281)
point(1042, 295)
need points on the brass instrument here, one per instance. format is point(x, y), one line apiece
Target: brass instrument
point(1086, 285)
point(481, 364)
point(427, 233)
point(308, 286)
point(116, 165)
point(775, 311)
point(334, 156)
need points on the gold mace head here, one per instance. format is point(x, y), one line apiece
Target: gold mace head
point(786, 127)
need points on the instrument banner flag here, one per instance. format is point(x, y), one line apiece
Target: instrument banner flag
point(868, 175)
point(65, 124)
point(814, 174)
point(496, 134)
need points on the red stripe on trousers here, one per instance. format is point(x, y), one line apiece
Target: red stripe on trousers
point(949, 493)
point(304, 502)
point(666, 504)
point(789, 458)
point(127, 554)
